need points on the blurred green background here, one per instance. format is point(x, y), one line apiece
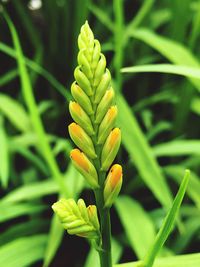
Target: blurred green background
point(159, 109)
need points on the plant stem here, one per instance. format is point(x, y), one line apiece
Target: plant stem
point(105, 253)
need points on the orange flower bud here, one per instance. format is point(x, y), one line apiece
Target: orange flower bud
point(85, 167)
point(80, 117)
point(112, 185)
point(82, 140)
point(110, 149)
point(107, 124)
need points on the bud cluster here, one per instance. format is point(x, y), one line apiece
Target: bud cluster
point(78, 219)
point(93, 130)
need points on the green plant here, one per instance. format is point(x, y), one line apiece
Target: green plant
point(95, 116)
point(94, 133)
point(148, 45)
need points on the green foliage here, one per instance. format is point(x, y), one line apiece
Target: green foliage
point(145, 42)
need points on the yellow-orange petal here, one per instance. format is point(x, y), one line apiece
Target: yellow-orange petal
point(115, 175)
point(77, 156)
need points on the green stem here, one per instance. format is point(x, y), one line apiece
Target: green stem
point(105, 252)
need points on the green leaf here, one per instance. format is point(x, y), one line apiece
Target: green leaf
point(8, 77)
point(193, 189)
point(141, 154)
point(23, 251)
point(27, 91)
point(54, 239)
point(38, 69)
point(4, 155)
point(167, 224)
point(11, 211)
point(31, 191)
point(177, 148)
point(188, 260)
point(165, 68)
point(172, 50)
point(93, 257)
point(15, 113)
point(138, 226)
point(32, 227)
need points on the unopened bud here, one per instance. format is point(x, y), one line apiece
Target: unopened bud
point(96, 54)
point(83, 81)
point(92, 213)
point(82, 140)
point(103, 86)
point(112, 185)
point(80, 96)
point(86, 40)
point(85, 167)
point(104, 105)
point(100, 69)
point(107, 124)
point(80, 117)
point(83, 62)
point(110, 149)
point(75, 218)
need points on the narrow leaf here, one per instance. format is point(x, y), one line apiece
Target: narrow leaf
point(167, 224)
point(141, 154)
point(165, 68)
point(23, 252)
point(137, 224)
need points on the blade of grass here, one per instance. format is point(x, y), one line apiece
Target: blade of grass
point(31, 191)
point(141, 154)
point(23, 252)
point(93, 259)
point(172, 50)
point(15, 112)
point(137, 20)
point(193, 190)
point(27, 91)
point(177, 148)
point(54, 239)
point(4, 155)
point(167, 224)
point(37, 68)
point(188, 260)
point(165, 68)
point(138, 226)
point(118, 41)
point(8, 77)
point(10, 211)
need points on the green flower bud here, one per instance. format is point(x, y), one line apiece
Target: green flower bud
point(85, 66)
point(83, 209)
point(85, 167)
point(80, 117)
point(100, 69)
point(75, 218)
point(81, 97)
point(112, 185)
point(92, 213)
point(110, 149)
point(107, 124)
point(104, 105)
point(83, 81)
point(86, 40)
point(96, 54)
point(82, 140)
point(103, 86)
